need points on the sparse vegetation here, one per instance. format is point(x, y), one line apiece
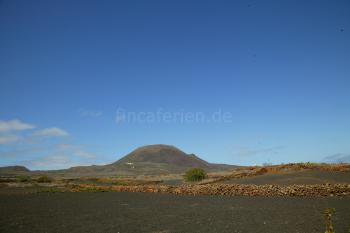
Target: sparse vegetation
point(153, 184)
point(23, 179)
point(50, 190)
point(44, 179)
point(120, 182)
point(195, 174)
point(328, 218)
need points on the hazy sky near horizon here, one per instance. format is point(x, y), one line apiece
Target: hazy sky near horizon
point(239, 82)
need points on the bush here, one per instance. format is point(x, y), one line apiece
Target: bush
point(120, 182)
point(195, 174)
point(23, 179)
point(44, 179)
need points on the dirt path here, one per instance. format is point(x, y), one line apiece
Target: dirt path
point(147, 212)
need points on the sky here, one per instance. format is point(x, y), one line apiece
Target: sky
point(237, 82)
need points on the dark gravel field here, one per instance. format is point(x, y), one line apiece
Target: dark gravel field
point(146, 212)
point(297, 177)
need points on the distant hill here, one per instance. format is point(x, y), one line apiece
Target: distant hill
point(145, 160)
point(150, 160)
point(162, 154)
point(13, 170)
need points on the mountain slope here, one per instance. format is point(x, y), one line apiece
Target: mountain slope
point(147, 160)
point(151, 160)
point(163, 154)
point(13, 170)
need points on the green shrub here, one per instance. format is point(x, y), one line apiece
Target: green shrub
point(23, 179)
point(195, 174)
point(120, 182)
point(44, 179)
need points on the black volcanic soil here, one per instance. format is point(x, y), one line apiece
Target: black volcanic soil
point(145, 212)
point(296, 177)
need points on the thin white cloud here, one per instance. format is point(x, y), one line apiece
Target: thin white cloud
point(245, 151)
point(65, 146)
point(51, 132)
point(76, 150)
point(85, 154)
point(7, 139)
point(21, 152)
point(24, 145)
point(62, 157)
point(51, 162)
point(55, 160)
point(337, 158)
point(14, 125)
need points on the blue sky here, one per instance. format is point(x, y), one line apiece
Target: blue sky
point(86, 82)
